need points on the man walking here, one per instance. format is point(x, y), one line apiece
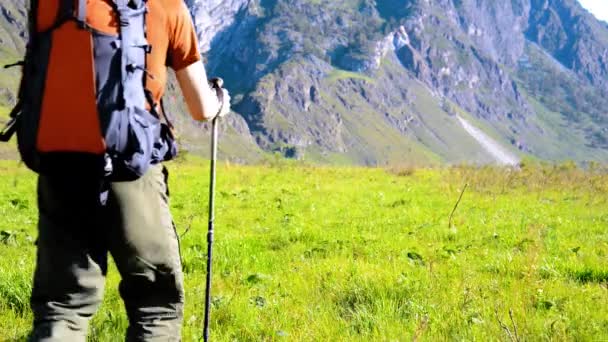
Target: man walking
point(133, 224)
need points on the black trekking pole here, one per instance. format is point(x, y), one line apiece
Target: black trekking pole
point(216, 83)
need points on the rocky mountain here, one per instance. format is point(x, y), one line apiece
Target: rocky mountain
point(12, 42)
point(402, 81)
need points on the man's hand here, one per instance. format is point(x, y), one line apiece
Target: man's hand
point(223, 96)
point(226, 104)
point(202, 100)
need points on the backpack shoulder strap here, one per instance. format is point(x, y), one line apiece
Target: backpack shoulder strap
point(66, 11)
point(66, 7)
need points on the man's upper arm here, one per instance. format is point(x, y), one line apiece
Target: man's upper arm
point(183, 43)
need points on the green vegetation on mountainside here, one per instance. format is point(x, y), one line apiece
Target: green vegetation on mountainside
point(7, 150)
point(579, 108)
point(561, 141)
point(232, 146)
point(343, 254)
point(386, 117)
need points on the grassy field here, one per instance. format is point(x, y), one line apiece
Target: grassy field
point(340, 254)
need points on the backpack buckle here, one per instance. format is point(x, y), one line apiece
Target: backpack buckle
point(9, 130)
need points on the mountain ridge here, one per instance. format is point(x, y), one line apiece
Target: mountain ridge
point(381, 82)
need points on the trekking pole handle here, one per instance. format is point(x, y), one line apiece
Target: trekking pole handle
point(217, 84)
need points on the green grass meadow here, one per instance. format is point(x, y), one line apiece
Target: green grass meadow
point(306, 253)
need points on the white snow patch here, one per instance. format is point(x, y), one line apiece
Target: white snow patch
point(502, 155)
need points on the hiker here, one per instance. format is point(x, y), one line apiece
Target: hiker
point(83, 216)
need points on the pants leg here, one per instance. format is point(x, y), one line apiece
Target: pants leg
point(145, 247)
point(71, 261)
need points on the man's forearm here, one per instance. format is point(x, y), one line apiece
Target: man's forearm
point(200, 98)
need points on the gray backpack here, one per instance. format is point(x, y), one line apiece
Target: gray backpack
point(83, 108)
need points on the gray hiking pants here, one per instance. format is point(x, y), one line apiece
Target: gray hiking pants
point(75, 235)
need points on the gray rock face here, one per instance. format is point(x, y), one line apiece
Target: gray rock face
point(573, 37)
point(495, 27)
point(213, 16)
point(460, 52)
point(13, 28)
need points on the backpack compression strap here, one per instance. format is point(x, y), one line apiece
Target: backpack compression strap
point(134, 49)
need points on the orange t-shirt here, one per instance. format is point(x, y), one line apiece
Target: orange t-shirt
point(169, 30)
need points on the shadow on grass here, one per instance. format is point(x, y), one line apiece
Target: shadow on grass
point(588, 275)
